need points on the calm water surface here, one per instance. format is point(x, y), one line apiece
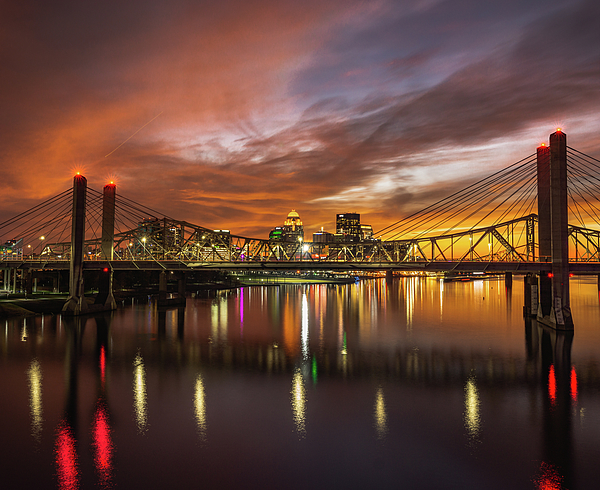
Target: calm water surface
point(414, 383)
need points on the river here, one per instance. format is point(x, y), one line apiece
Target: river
point(410, 383)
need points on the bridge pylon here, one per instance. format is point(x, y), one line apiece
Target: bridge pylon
point(555, 310)
point(105, 297)
point(76, 304)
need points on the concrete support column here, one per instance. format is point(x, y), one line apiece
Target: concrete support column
point(389, 275)
point(108, 221)
point(530, 308)
point(105, 295)
point(27, 281)
point(76, 304)
point(544, 228)
point(508, 279)
point(162, 286)
point(544, 221)
point(35, 283)
point(14, 284)
point(181, 284)
point(561, 313)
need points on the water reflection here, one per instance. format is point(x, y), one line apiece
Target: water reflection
point(305, 346)
point(66, 457)
point(34, 374)
point(574, 387)
point(552, 349)
point(380, 415)
point(200, 408)
point(139, 394)
point(103, 445)
point(472, 414)
point(466, 370)
point(298, 399)
point(549, 478)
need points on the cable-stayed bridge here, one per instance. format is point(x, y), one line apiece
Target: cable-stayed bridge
point(540, 215)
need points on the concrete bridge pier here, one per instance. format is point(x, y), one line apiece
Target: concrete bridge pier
point(508, 279)
point(389, 275)
point(27, 281)
point(530, 308)
point(162, 287)
point(181, 284)
point(76, 303)
point(105, 297)
point(555, 308)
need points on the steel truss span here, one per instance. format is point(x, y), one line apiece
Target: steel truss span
point(172, 244)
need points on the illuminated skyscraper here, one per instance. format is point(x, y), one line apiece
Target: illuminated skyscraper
point(291, 231)
point(347, 227)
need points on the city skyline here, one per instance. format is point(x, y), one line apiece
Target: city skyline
point(229, 115)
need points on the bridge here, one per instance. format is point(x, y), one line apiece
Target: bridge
point(489, 226)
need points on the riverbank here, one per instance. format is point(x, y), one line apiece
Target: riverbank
point(52, 303)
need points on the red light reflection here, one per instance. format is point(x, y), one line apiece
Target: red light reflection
point(573, 385)
point(103, 446)
point(552, 386)
point(549, 478)
point(66, 458)
point(102, 366)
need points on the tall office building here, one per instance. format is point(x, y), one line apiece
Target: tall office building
point(347, 227)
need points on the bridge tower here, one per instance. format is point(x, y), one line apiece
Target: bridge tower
point(554, 308)
point(76, 303)
point(105, 296)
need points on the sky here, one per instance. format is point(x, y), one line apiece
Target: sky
point(231, 113)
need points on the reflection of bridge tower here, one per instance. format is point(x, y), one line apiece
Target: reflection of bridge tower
point(553, 232)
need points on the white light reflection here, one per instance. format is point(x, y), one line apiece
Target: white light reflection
point(304, 327)
point(298, 399)
point(34, 374)
point(441, 299)
point(200, 408)
point(472, 410)
point(410, 302)
point(139, 394)
point(380, 415)
point(24, 332)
